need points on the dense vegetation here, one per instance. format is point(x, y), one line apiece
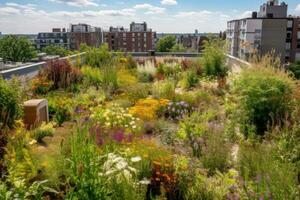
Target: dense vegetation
point(16, 49)
point(166, 44)
point(159, 128)
point(56, 50)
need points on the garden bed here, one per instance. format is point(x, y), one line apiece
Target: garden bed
point(167, 128)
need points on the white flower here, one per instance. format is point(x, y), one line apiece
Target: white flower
point(32, 142)
point(121, 165)
point(136, 159)
point(145, 182)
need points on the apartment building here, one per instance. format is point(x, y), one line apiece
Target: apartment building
point(72, 38)
point(268, 30)
point(58, 37)
point(137, 39)
point(84, 33)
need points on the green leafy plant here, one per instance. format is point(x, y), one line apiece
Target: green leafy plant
point(56, 50)
point(10, 103)
point(62, 110)
point(164, 89)
point(264, 176)
point(45, 130)
point(295, 69)
point(85, 165)
point(193, 129)
point(189, 79)
point(97, 57)
point(16, 49)
point(91, 76)
point(214, 59)
point(263, 96)
point(166, 43)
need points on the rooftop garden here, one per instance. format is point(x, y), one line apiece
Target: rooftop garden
point(156, 128)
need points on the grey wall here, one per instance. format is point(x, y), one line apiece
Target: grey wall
point(274, 37)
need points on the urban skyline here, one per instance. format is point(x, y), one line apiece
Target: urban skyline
point(30, 16)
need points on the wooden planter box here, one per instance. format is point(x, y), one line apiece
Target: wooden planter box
point(35, 112)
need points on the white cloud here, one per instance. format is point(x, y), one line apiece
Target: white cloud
point(298, 8)
point(77, 3)
point(19, 18)
point(9, 11)
point(16, 5)
point(245, 14)
point(150, 9)
point(169, 2)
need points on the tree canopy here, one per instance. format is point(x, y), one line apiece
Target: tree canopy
point(16, 49)
point(166, 43)
point(56, 50)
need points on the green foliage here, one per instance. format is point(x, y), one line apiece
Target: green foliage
point(60, 109)
point(91, 76)
point(265, 176)
point(295, 69)
point(178, 48)
point(263, 97)
point(97, 57)
point(216, 153)
point(189, 80)
point(20, 190)
point(56, 50)
point(45, 130)
point(214, 58)
point(166, 43)
point(110, 78)
point(169, 70)
point(19, 162)
point(164, 89)
point(62, 113)
point(193, 129)
point(16, 49)
point(10, 103)
point(130, 62)
point(138, 91)
point(215, 187)
point(85, 166)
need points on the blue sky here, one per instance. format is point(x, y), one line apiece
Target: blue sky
point(32, 16)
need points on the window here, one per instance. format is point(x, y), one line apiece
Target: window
point(298, 34)
point(290, 24)
point(289, 35)
point(288, 46)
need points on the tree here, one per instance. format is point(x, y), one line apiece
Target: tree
point(16, 49)
point(295, 69)
point(56, 50)
point(178, 48)
point(166, 43)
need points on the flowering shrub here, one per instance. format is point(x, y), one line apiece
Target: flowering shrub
point(147, 109)
point(115, 117)
point(40, 85)
point(102, 136)
point(61, 73)
point(177, 110)
point(163, 176)
point(61, 109)
point(118, 167)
